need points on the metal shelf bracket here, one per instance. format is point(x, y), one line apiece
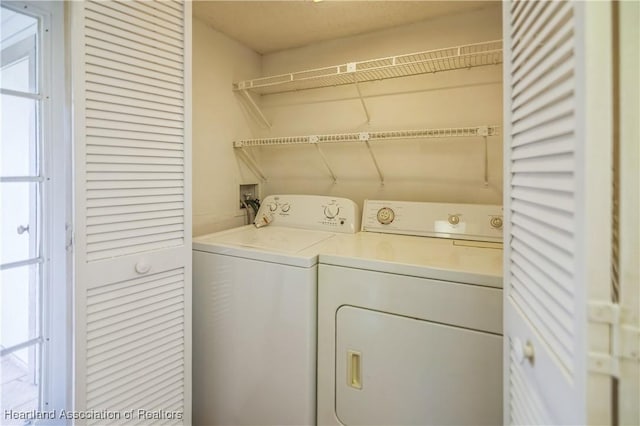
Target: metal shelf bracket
point(364, 137)
point(255, 108)
point(484, 132)
point(352, 68)
point(249, 161)
point(314, 140)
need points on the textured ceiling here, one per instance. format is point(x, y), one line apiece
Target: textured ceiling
point(269, 26)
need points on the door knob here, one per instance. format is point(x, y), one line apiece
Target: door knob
point(22, 229)
point(143, 267)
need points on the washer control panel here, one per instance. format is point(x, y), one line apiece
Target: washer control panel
point(316, 212)
point(477, 222)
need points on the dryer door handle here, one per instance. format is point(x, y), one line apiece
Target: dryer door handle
point(354, 369)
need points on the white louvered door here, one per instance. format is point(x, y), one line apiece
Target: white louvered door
point(557, 211)
point(131, 110)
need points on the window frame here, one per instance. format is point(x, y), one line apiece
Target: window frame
point(55, 177)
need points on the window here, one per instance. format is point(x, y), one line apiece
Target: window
point(29, 311)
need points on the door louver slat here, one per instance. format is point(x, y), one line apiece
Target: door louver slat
point(151, 15)
point(543, 198)
point(97, 132)
point(132, 192)
point(105, 40)
point(100, 12)
point(534, 42)
point(165, 12)
point(558, 218)
point(142, 158)
point(127, 367)
point(108, 66)
point(104, 106)
point(560, 127)
point(522, 24)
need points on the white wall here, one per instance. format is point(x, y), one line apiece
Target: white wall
point(435, 170)
point(432, 170)
point(218, 119)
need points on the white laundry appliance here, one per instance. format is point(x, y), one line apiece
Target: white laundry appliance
point(410, 318)
point(254, 312)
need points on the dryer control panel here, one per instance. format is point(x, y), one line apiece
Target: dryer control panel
point(478, 222)
point(315, 212)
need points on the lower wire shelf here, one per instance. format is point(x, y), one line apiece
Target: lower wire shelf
point(364, 137)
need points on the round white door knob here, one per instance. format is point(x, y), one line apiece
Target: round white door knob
point(143, 267)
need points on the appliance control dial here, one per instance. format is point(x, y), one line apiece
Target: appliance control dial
point(454, 219)
point(331, 211)
point(285, 207)
point(386, 215)
point(496, 222)
point(273, 207)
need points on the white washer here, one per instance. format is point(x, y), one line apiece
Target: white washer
point(254, 313)
point(410, 326)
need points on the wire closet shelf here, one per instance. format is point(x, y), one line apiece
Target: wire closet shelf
point(431, 61)
point(450, 132)
point(364, 137)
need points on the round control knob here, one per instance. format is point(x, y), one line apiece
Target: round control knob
point(331, 211)
point(496, 222)
point(285, 207)
point(454, 219)
point(386, 215)
point(273, 207)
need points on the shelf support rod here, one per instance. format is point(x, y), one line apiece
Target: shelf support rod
point(351, 67)
point(364, 136)
point(486, 162)
point(314, 140)
point(253, 166)
point(256, 109)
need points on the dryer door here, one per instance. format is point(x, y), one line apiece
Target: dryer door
point(397, 370)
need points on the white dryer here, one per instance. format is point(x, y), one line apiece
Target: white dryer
point(410, 318)
point(254, 313)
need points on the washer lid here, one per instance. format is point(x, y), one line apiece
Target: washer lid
point(271, 244)
point(442, 259)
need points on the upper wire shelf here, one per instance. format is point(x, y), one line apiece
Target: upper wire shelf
point(431, 61)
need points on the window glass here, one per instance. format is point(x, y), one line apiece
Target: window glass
point(21, 286)
point(18, 51)
point(19, 136)
point(20, 318)
point(18, 219)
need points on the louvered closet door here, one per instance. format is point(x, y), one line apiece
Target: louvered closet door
point(557, 198)
point(131, 100)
